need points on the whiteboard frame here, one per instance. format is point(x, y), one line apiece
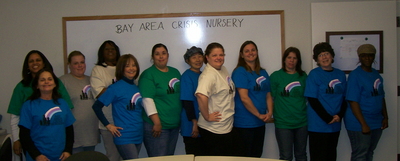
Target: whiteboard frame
point(378, 43)
point(169, 15)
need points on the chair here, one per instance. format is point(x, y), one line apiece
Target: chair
point(6, 148)
point(88, 156)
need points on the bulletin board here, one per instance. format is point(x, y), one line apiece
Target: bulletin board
point(137, 34)
point(345, 45)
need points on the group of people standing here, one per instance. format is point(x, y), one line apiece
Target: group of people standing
point(215, 112)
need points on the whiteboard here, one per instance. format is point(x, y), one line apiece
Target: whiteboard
point(137, 34)
point(346, 43)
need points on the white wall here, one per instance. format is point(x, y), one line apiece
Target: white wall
point(398, 76)
point(27, 25)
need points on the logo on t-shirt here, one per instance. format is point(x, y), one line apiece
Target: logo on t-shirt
point(114, 80)
point(85, 92)
point(331, 86)
point(259, 81)
point(171, 85)
point(231, 86)
point(51, 117)
point(133, 102)
point(375, 91)
point(289, 87)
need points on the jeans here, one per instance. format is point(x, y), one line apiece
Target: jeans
point(289, 139)
point(83, 148)
point(363, 145)
point(109, 146)
point(129, 151)
point(160, 146)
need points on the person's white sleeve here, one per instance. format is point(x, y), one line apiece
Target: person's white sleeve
point(149, 106)
point(14, 127)
point(97, 81)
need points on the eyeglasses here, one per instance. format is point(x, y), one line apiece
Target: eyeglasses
point(324, 54)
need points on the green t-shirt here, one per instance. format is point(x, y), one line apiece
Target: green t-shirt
point(290, 110)
point(164, 89)
point(22, 93)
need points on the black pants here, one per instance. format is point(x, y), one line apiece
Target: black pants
point(251, 141)
point(323, 146)
point(194, 146)
point(219, 144)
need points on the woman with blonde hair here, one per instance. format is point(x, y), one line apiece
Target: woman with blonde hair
point(86, 129)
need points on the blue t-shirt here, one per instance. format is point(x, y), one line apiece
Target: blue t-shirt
point(366, 88)
point(258, 85)
point(126, 111)
point(189, 81)
point(329, 87)
point(47, 122)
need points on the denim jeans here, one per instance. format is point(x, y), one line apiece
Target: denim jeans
point(83, 148)
point(109, 146)
point(289, 139)
point(129, 151)
point(160, 146)
point(363, 145)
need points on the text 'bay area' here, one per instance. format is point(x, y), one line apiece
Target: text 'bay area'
point(208, 23)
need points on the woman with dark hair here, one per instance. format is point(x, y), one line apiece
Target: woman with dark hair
point(253, 103)
point(367, 116)
point(86, 129)
point(106, 54)
point(290, 110)
point(103, 74)
point(325, 92)
point(215, 95)
point(126, 110)
point(160, 89)
point(33, 62)
point(190, 111)
point(46, 130)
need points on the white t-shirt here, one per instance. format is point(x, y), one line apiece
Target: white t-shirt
point(100, 78)
point(220, 90)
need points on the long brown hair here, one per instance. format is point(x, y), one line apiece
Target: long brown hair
point(242, 62)
point(36, 92)
point(26, 74)
point(298, 55)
